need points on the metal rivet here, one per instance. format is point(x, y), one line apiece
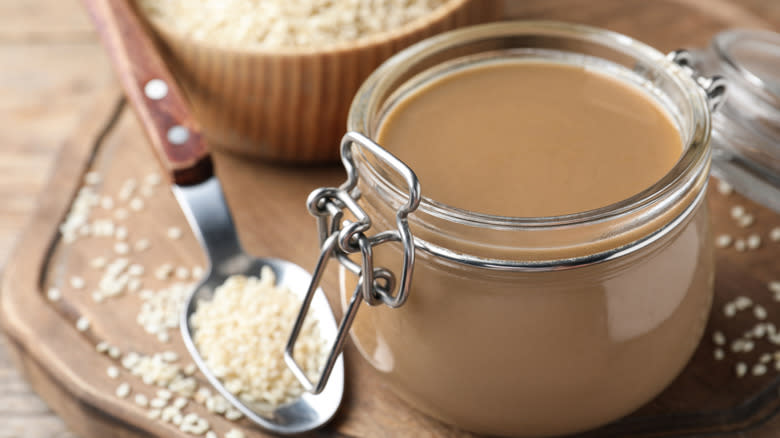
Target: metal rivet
point(178, 135)
point(156, 89)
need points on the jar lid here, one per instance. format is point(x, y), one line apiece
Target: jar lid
point(746, 128)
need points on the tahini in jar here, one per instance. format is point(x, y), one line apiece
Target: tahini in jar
point(561, 258)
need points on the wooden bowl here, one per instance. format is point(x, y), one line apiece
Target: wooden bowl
point(291, 104)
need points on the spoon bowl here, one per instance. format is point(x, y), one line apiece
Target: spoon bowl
point(306, 413)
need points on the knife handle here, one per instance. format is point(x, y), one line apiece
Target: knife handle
point(153, 92)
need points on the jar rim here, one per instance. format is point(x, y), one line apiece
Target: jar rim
point(696, 149)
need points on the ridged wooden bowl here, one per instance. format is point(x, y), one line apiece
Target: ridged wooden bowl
point(290, 105)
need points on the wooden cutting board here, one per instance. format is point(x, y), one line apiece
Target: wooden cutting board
point(61, 362)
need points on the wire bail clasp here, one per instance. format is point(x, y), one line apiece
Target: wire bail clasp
point(714, 86)
point(340, 237)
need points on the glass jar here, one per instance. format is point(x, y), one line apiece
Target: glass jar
point(523, 326)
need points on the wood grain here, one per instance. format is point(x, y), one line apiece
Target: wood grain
point(53, 69)
point(43, 22)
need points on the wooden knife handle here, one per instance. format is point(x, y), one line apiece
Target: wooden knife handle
point(154, 93)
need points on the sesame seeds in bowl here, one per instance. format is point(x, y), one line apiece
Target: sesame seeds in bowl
point(278, 88)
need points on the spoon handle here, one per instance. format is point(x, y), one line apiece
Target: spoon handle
point(153, 92)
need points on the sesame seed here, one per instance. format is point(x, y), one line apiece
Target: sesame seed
point(77, 282)
point(718, 353)
point(92, 178)
point(747, 346)
point(753, 241)
point(759, 369)
point(127, 189)
point(174, 233)
point(743, 302)
point(53, 294)
point(158, 403)
point(746, 220)
point(202, 395)
point(120, 213)
point(136, 204)
point(759, 312)
point(101, 347)
point(153, 414)
point(723, 241)
point(152, 179)
point(724, 188)
point(113, 372)
point(164, 394)
point(234, 433)
point(729, 309)
point(130, 360)
point(141, 400)
point(107, 203)
point(718, 338)
point(123, 390)
point(200, 426)
point(197, 273)
point(737, 211)
point(211, 434)
point(740, 245)
point(163, 271)
point(774, 286)
point(135, 270)
point(170, 356)
point(182, 273)
point(142, 245)
point(177, 419)
point(233, 414)
point(134, 284)
point(113, 352)
point(98, 263)
point(82, 324)
point(120, 233)
point(180, 402)
point(740, 369)
point(774, 234)
point(168, 413)
point(190, 369)
point(121, 248)
point(765, 358)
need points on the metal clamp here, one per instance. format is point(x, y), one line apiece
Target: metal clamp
point(339, 238)
point(714, 86)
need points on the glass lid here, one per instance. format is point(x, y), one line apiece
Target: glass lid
point(746, 129)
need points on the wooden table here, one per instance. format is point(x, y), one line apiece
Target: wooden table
point(52, 71)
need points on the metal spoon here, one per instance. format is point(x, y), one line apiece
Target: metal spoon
point(180, 147)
